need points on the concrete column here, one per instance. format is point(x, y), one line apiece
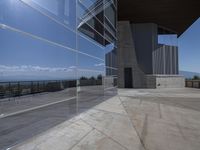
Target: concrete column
point(127, 56)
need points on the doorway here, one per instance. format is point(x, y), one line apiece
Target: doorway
point(128, 78)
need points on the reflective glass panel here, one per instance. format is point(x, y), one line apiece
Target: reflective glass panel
point(89, 47)
point(90, 63)
point(62, 11)
point(36, 25)
point(90, 89)
point(53, 58)
point(38, 76)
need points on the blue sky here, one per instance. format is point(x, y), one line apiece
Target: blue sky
point(42, 57)
point(28, 56)
point(189, 48)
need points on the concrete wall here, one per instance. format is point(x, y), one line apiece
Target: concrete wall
point(165, 81)
point(136, 44)
point(127, 56)
point(145, 39)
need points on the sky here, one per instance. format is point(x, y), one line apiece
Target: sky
point(40, 48)
point(28, 56)
point(189, 48)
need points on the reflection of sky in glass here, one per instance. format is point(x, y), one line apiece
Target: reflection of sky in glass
point(87, 5)
point(25, 56)
point(50, 6)
point(109, 47)
point(170, 39)
point(51, 53)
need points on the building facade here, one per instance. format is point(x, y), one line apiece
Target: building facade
point(60, 52)
point(59, 58)
point(147, 41)
point(148, 56)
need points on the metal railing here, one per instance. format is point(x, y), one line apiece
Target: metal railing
point(192, 83)
point(22, 88)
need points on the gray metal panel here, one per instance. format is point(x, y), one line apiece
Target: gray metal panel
point(165, 60)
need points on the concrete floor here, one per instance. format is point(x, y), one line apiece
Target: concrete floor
point(165, 119)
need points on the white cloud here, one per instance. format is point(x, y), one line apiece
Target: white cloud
point(72, 67)
point(29, 68)
point(99, 65)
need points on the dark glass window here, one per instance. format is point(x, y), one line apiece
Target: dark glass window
point(101, 18)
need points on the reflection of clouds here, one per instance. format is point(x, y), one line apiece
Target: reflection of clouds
point(99, 65)
point(72, 67)
point(50, 6)
point(29, 68)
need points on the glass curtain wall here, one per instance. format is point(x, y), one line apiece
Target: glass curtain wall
point(57, 59)
point(97, 71)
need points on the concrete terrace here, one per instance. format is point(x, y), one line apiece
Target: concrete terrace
point(159, 119)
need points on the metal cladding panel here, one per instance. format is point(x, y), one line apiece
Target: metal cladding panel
point(165, 60)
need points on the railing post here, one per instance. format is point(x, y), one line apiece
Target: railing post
point(43, 89)
point(16, 88)
point(9, 90)
point(31, 87)
point(19, 93)
point(199, 83)
point(38, 87)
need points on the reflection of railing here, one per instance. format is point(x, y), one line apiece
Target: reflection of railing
point(21, 88)
point(88, 82)
point(192, 83)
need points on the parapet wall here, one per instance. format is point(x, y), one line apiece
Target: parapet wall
point(165, 81)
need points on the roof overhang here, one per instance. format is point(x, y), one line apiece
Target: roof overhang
point(176, 15)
